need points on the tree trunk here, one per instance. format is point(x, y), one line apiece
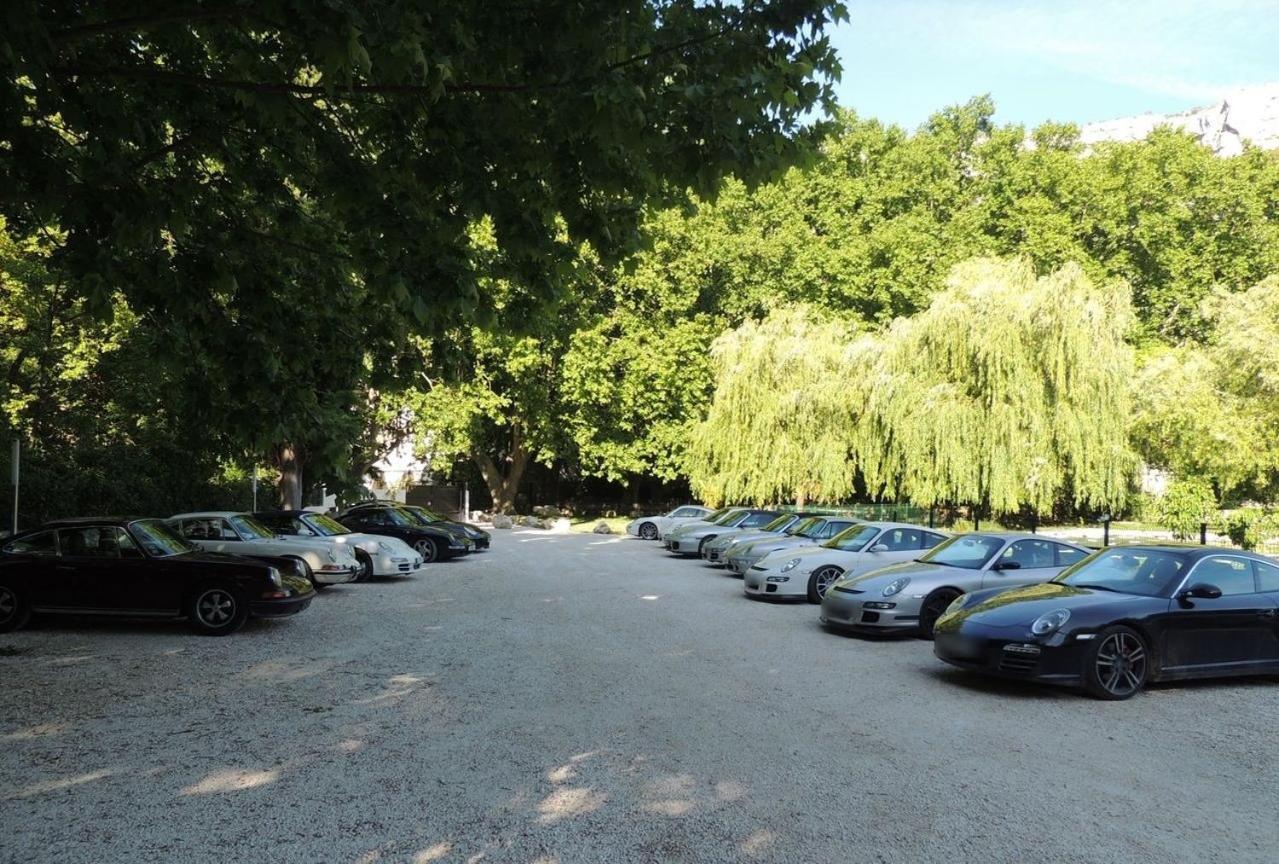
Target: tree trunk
point(503, 487)
point(288, 458)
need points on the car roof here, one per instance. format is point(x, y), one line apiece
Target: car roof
point(1193, 550)
point(72, 521)
point(210, 514)
point(886, 525)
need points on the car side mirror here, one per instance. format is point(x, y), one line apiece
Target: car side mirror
point(879, 547)
point(1201, 590)
point(1007, 565)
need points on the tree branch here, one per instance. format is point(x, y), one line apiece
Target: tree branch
point(139, 23)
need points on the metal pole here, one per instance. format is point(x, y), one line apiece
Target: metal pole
point(1203, 533)
point(466, 502)
point(255, 488)
point(15, 471)
point(1105, 530)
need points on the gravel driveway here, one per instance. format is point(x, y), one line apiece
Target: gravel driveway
point(571, 698)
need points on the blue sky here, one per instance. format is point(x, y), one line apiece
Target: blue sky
point(1074, 60)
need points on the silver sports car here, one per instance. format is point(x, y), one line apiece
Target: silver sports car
point(688, 539)
point(911, 596)
point(742, 557)
point(713, 550)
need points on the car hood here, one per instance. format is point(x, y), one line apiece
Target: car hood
point(1021, 606)
point(203, 557)
point(746, 535)
point(920, 572)
point(369, 542)
point(775, 544)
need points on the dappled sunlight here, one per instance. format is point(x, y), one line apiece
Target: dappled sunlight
point(568, 803)
point(348, 746)
point(729, 790)
point(758, 843)
point(284, 671)
point(610, 541)
point(397, 687)
point(547, 859)
point(433, 853)
point(68, 661)
point(39, 730)
point(672, 795)
point(650, 596)
point(57, 785)
point(232, 780)
point(670, 807)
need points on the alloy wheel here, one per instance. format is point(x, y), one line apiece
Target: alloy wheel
point(215, 607)
point(648, 531)
point(934, 605)
point(8, 604)
point(426, 549)
point(826, 577)
point(1121, 664)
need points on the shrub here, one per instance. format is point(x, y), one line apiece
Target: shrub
point(1249, 526)
point(1185, 506)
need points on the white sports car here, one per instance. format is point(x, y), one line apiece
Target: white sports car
point(653, 527)
point(324, 561)
point(378, 555)
point(809, 570)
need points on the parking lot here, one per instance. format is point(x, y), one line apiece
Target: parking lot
point(575, 698)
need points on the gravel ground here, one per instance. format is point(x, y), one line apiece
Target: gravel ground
point(569, 698)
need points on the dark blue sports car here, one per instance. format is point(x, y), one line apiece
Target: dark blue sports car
point(1122, 617)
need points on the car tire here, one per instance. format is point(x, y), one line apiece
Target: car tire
point(1116, 664)
point(648, 531)
point(366, 566)
point(701, 544)
point(429, 551)
point(14, 611)
point(306, 571)
point(216, 610)
point(933, 607)
point(820, 581)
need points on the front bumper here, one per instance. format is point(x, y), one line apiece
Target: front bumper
point(757, 585)
point(868, 612)
point(741, 565)
point(281, 607)
point(336, 576)
point(1010, 652)
point(396, 565)
point(684, 545)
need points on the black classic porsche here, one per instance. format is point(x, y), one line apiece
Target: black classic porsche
point(1122, 617)
point(431, 542)
point(140, 568)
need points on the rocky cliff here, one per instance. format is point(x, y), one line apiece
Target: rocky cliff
point(1249, 114)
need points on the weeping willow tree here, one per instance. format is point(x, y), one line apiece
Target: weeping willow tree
point(780, 426)
point(1008, 392)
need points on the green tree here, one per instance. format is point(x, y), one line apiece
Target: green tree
point(781, 424)
point(1009, 391)
point(1185, 506)
point(271, 184)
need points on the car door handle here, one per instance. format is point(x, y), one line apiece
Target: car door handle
point(1269, 613)
point(65, 566)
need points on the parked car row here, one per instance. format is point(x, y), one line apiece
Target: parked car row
point(217, 568)
point(1009, 604)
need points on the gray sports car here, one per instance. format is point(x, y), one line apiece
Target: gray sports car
point(911, 596)
point(688, 539)
point(713, 550)
point(741, 557)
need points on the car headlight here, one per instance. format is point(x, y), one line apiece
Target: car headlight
point(790, 565)
point(895, 587)
point(274, 576)
point(1050, 622)
point(384, 547)
point(333, 555)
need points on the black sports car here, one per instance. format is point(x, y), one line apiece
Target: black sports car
point(476, 535)
point(433, 543)
point(140, 567)
point(1122, 617)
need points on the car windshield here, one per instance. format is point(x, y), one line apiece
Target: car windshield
point(727, 516)
point(250, 528)
point(1148, 572)
point(711, 517)
point(853, 538)
point(778, 524)
point(326, 526)
point(403, 518)
point(158, 539)
point(426, 517)
point(802, 525)
point(812, 529)
point(967, 551)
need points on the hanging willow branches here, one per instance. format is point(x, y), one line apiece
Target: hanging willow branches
point(1008, 391)
point(781, 424)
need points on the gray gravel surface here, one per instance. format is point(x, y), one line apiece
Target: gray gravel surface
point(575, 698)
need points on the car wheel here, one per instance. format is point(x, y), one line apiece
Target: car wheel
point(427, 549)
point(648, 531)
point(1117, 664)
point(14, 613)
point(366, 566)
point(305, 569)
point(701, 545)
point(932, 608)
point(214, 610)
point(820, 580)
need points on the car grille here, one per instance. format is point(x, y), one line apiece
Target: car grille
point(1018, 661)
point(843, 589)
